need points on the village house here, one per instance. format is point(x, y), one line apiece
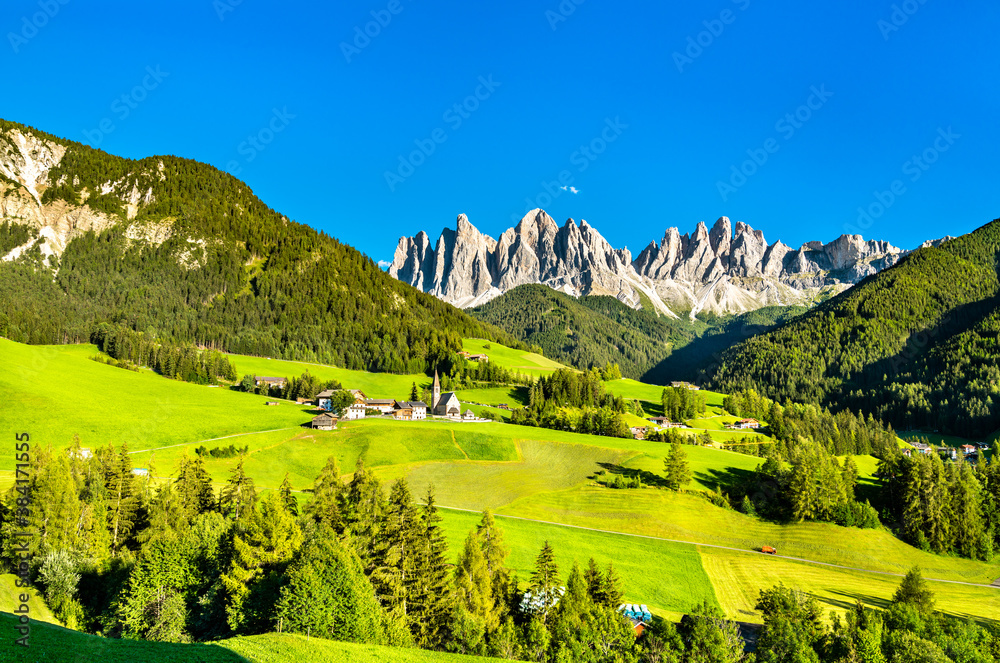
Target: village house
point(324, 421)
point(639, 432)
point(273, 383)
point(324, 400)
point(923, 448)
point(744, 424)
point(410, 410)
point(382, 405)
point(664, 422)
point(469, 415)
point(968, 449)
point(446, 404)
point(303, 401)
point(685, 385)
point(358, 395)
point(354, 411)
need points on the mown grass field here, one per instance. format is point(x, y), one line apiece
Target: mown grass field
point(689, 517)
point(288, 648)
point(738, 577)
point(667, 577)
point(526, 363)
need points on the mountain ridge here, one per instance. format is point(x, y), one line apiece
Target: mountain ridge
point(723, 270)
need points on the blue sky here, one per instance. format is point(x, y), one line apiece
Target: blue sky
point(650, 111)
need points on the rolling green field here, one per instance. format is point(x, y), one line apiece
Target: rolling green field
point(10, 600)
point(375, 385)
point(532, 473)
point(55, 643)
point(668, 577)
point(527, 363)
point(54, 392)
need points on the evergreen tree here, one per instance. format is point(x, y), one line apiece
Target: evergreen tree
point(120, 494)
point(260, 553)
point(430, 597)
point(676, 468)
point(328, 496)
point(287, 498)
point(545, 580)
point(913, 590)
point(611, 593)
point(594, 579)
point(194, 485)
point(239, 496)
point(396, 549)
point(56, 508)
point(414, 396)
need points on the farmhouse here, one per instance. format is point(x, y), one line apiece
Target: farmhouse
point(273, 383)
point(355, 410)
point(922, 447)
point(744, 424)
point(324, 399)
point(664, 422)
point(325, 421)
point(685, 385)
point(482, 358)
point(968, 449)
point(383, 405)
point(409, 410)
point(358, 394)
point(639, 432)
point(637, 615)
point(468, 415)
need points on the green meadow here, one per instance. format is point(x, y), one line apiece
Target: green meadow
point(531, 473)
point(527, 363)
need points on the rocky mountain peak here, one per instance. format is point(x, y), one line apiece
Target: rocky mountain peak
point(726, 269)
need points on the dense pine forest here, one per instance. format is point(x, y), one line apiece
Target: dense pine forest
point(916, 344)
point(231, 273)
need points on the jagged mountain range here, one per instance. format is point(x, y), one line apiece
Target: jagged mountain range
point(723, 270)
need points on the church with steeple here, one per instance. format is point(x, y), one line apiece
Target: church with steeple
point(446, 404)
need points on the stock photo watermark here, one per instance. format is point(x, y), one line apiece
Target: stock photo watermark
point(898, 17)
point(223, 7)
point(562, 12)
point(364, 34)
point(123, 106)
point(581, 158)
point(257, 142)
point(21, 536)
point(455, 116)
point(696, 44)
point(31, 24)
point(913, 168)
point(786, 127)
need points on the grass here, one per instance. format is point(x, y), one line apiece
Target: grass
point(53, 643)
point(738, 578)
point(628, 388)
point(527, 363)
point(688, 517)
point(289, 648)
point(10, 599)
point(375, 385)
point(668, 577)
point(54, 392)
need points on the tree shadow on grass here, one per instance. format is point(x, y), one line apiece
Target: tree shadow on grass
point(729, 480)
point(647, 478)
point(851, 598)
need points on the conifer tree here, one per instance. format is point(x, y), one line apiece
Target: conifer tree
point(675, 466)
point(327, 504)
point(914, 591)
point(363, 513)
point(194, 486)
point(120, 494)
point(395, 551)
point(413, 392)
point(270, 539)
point(594, 579)
point(56, 508)
point(239, 496)
point(430, 598)
point(545, 580)
point(474, 585)
point(611, 588)
point(287, 498)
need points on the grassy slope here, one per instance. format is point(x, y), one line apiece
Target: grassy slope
point(527, 363)
point(529, 472)
point(53, 392)
point(10, 600)
point(54, 643)
point(677, 583)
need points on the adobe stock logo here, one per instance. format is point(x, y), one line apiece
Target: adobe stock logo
point(455, 116)
point(31, 25)
point(363, 35)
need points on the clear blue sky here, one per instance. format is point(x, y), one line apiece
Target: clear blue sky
point(552, 87)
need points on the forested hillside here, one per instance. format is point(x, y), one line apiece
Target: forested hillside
point(915, 344)
point(587, 332)
point(190, 254)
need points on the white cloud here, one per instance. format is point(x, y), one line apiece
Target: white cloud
point(384, 264)
point(571, 189)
